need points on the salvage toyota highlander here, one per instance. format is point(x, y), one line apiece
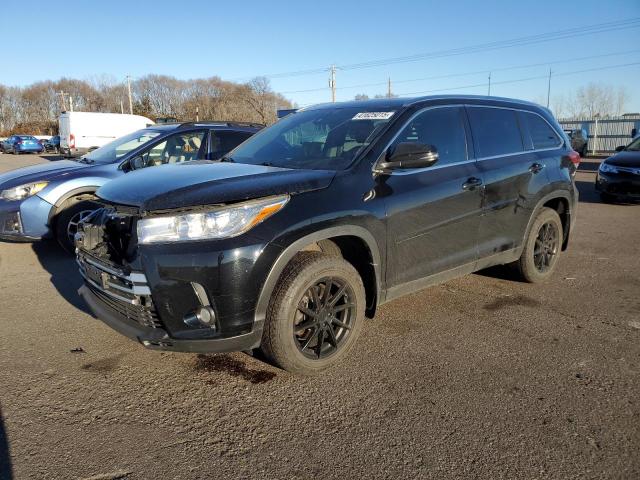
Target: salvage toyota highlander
point(289, 241)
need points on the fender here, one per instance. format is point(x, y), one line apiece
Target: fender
point(89, 189)
point(288, 253)
point(549, 196)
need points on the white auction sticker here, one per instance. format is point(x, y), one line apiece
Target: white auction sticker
point(373, 116)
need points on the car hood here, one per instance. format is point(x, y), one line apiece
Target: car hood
point(38, 173)
point(625, 159)
point(205, 183)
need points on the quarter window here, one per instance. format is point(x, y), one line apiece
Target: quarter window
point(443, 129)
point(542, 135)
point(495, 130)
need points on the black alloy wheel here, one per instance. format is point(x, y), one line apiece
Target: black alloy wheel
point(546, 248)
point(324, 317)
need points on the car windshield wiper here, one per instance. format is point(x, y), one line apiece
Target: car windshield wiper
point(226, 158)
point(85, 160)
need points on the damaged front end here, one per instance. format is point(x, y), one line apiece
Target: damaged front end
point(165, 296)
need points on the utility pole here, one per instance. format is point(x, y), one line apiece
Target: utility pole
point(121, 106)
point(489, 91)
point(389, 94)
point(62, 102)
point(70, 102)
point(197, 113)
point(549, 88)
point(129, 88)
point(332, 82)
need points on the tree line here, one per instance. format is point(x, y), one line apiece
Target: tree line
point(34, 109)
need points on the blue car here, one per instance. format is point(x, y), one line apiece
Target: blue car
point(49, 200)
point(22, 144)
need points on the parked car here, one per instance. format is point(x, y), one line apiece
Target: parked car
point(618, 177)
point(304, 229)
point(53, 144)
point(17, 144)
point(81, 132)
point(579, 140)
point(48, 200)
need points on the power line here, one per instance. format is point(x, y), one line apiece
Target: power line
point(514, 42)
point(475, 72)
point(517, 80)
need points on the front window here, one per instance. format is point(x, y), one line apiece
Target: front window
point(327, 138)
point(634, 146)
point(440, 128)
point(112, 151)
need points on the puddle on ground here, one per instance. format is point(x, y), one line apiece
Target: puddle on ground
point(227, 364)
point(104, 365)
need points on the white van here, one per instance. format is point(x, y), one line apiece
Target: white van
point(81, 132)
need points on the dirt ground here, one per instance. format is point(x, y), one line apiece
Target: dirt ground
point(482, 377)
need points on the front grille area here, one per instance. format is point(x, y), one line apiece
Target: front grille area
point(126, 294)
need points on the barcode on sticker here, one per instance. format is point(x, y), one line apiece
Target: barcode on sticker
point(373, 116)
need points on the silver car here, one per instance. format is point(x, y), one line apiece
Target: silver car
point(49, 200)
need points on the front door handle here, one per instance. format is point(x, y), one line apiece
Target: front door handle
point(472, 183)
point(536, 167)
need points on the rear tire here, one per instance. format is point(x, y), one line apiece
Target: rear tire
point(307, 330)
point(67, 219)
point(542, 247)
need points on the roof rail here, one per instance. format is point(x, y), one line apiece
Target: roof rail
point(223, 123)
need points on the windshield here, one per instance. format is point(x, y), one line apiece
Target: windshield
point(28, 137)
point(323, 139)
point(634, 146)
point(112, 151)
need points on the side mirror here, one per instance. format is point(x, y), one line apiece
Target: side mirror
point(136, 163)
point(620, 148)
point(407, 155)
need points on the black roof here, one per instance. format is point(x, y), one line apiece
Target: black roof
point(400, 102)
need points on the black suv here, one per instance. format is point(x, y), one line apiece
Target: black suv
point(299, 233)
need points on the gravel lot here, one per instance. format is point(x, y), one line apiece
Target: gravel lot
point(482, 377)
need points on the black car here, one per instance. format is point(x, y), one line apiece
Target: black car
point(299, 233)
point(53, 144)
point(619, 175)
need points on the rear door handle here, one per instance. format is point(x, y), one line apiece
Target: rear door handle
point(472, 183)
point(536, 167)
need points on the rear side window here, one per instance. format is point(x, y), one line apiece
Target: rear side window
point(542, 135)
point(495, 131)
point(441, 128)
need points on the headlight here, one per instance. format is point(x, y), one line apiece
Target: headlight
point(606, 168)
point(23, 191)
point(224, 222)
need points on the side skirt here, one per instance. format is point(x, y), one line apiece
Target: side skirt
point(501, 258)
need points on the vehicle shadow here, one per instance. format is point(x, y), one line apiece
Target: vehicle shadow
point(587, 191)
point(6, 471)
point(52, 157)
point(591, 165)
point(63, 271)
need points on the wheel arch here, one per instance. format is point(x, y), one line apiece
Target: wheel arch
point(560, 201)
point(76, 192)
point(343, 236)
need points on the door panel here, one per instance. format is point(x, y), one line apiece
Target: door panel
point(432, 217)
point(510, 187)
point(433, 222)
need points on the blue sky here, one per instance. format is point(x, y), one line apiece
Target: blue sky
point(239, 40)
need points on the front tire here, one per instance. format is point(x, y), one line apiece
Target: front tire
point(315, 315)
point(67, 220)
point(542, 247)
